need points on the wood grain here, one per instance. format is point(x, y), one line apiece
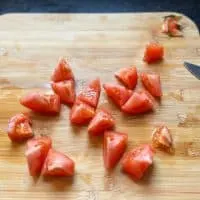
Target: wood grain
point(98, 45)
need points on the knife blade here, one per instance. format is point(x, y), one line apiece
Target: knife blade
point(193, 69)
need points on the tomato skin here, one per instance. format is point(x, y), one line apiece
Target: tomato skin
point(58, 164)
point(117, 93)
point(128, 76)
point(42, 103)
point(137, 161)
point(153, 53)
point(90, 94)
point(66, 91)
point(62, 71)
point(19, 128)
point(113, 148)
point(138, 103)
point(152, 83)
point(102, 121)
point(81, 113)
point(36, 152)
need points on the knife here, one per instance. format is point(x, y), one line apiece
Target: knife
point(193, 69)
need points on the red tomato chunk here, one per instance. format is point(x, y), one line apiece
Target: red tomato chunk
point(81, 113)
point(58, 164)
point(36, 152)
point(138, 103)
point(66, 91)
point(42, 103)
point(117, 93)
point(102, 121)
point(137, 161)
point(152, 83)
point(62, 71)
point(113, 148)
point(90, 94)
point(19, 128)
point(128, 76)
point(153, 53)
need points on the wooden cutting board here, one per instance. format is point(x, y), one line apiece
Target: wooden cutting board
point(98, 45)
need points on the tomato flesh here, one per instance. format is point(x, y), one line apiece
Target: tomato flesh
point(117, 93)
point(42, 103)
point(152, 83)
point(172, 27)
point(113, 148)
point(90, 95)
point(62, 71)
point(81, 113)
point(137, 161)
point(58, 164)
point(161, 138)
point(36, 152)
point(138, 103)
point(66, 91)
point(153, 53)
point(20, 128)
point(102, 121)
point(128, 76)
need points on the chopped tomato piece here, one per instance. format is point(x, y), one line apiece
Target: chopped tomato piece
point(139, 102)
point(137, 161)
point(81, 113)
point(152, 83)
point(171, 26)
point(36, 152)
point(65, 90)
point(42, 103)
point(62, 71)
point(161, 138)
point(19, 128)
point(113, 147)
point(102, 121)
point(154, 52)
point(91, 93)
point(128, 76)
point(58, 164)
point(119, 94)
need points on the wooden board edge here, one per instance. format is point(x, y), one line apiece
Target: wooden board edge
point(193, 24)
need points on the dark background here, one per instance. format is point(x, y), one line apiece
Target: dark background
point(191, 8)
